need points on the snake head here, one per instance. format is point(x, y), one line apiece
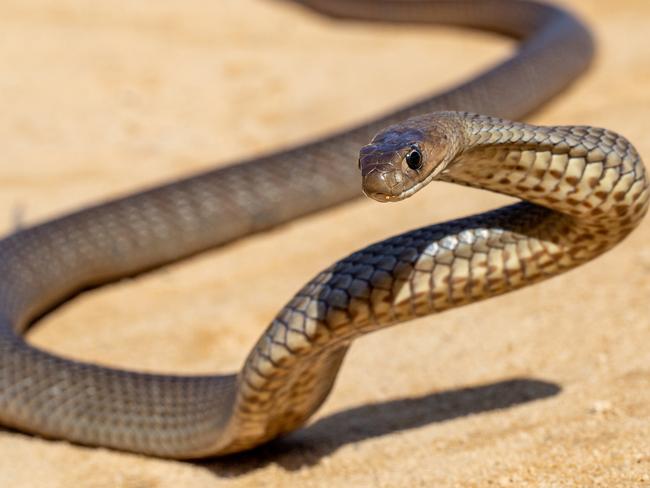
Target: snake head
point(403, 158)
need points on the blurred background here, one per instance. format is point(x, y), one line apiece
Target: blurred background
point(545, 386)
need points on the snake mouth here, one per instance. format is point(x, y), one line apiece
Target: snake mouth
point(383, 197)
point(391, 186)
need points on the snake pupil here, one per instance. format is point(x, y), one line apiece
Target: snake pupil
point(414, 158)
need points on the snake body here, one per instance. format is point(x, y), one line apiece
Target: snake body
point(585, 189)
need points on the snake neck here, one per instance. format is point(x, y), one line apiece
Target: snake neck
point(591, 175)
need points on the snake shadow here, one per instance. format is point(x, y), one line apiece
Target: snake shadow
point(307, 446)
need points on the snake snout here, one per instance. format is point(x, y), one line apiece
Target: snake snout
point(383, 186)
point(381, 178)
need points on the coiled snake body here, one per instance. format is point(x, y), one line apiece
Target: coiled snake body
point(585, 189)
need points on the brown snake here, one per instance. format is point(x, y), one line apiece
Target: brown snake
point(585, 189)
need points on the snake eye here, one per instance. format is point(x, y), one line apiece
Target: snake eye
point(414, 158)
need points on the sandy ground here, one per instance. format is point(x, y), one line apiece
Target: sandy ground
point(548, 386)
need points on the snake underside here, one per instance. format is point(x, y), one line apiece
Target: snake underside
point(584, 190)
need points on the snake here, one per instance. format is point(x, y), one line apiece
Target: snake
point(581, 191)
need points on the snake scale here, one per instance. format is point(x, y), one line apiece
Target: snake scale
point(583, 188)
